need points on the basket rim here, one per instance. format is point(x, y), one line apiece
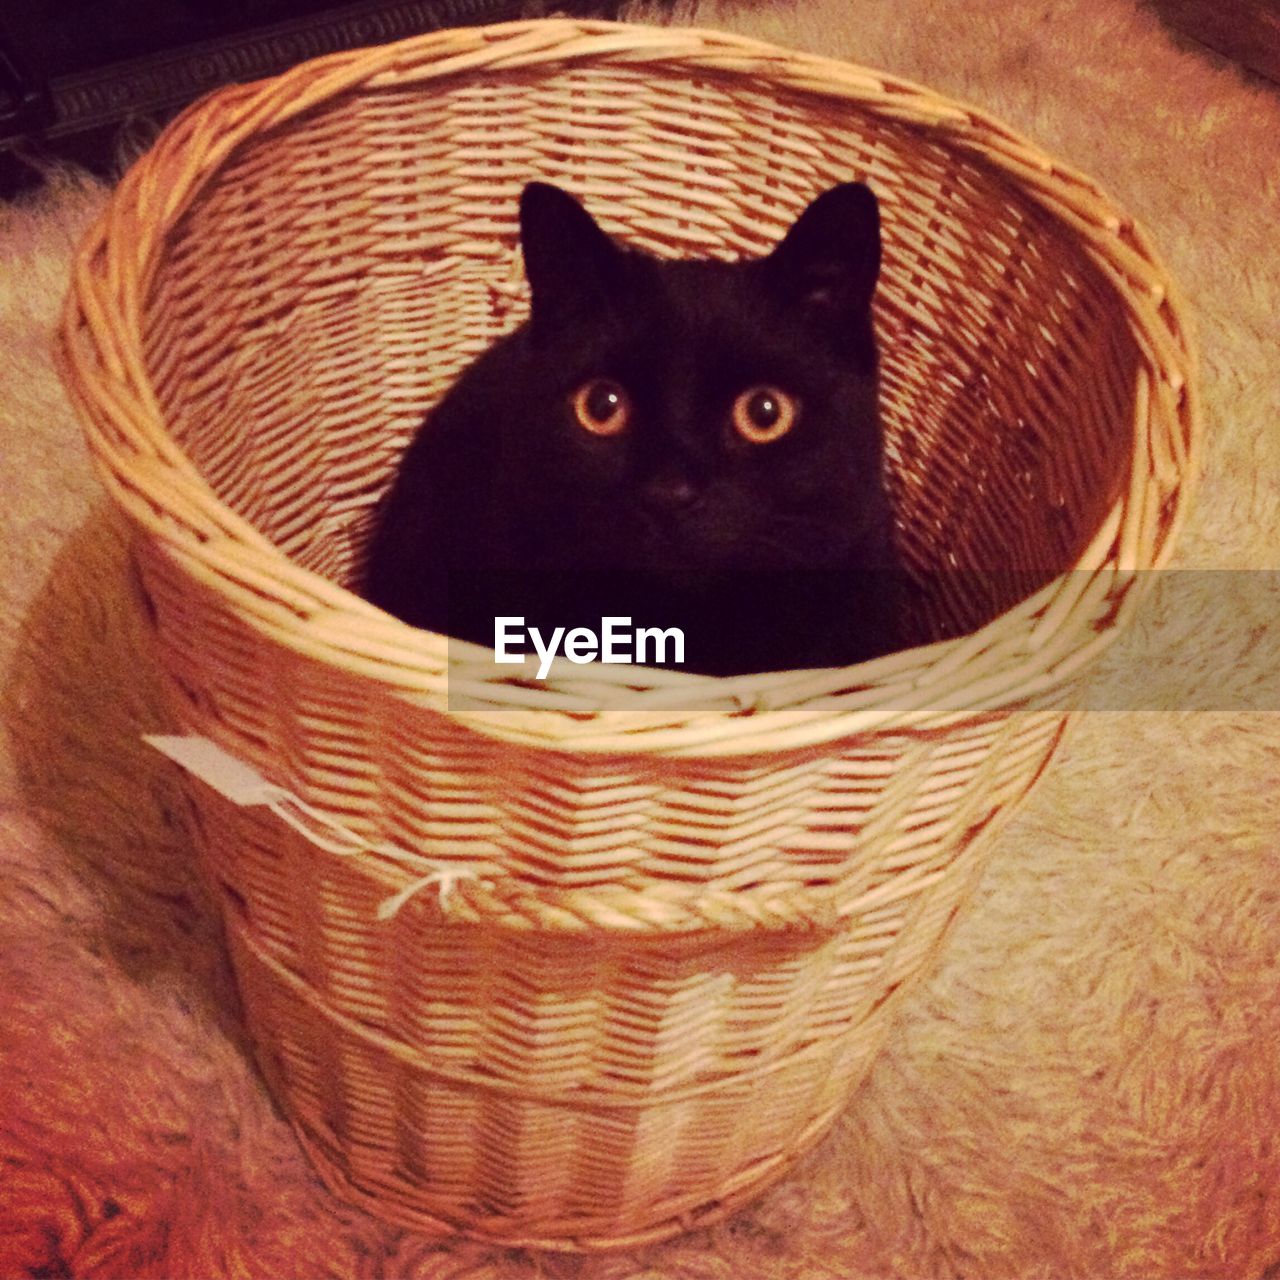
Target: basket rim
point(1022, 655)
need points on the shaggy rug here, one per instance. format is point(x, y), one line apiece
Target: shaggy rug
point(1089, 1084)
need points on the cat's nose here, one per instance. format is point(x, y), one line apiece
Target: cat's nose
point(670, 490)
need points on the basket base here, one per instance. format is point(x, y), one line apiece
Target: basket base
point(390, 1204)
point(405, 1204)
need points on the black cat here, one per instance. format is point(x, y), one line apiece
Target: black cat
point(691, 444)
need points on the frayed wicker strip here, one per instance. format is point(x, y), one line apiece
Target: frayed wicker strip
point(465, 898)
point(243, 785)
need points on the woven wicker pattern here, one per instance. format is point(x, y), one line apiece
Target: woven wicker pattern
point(685, 907)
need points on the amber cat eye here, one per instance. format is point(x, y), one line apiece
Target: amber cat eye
point(601, 407)
point(763, 414)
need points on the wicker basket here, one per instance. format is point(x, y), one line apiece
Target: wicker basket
point(581, 964)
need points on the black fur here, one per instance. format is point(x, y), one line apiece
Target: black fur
point(770, 556)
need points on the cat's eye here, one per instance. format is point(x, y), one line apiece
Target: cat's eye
point(601, 407)
point(763, 414)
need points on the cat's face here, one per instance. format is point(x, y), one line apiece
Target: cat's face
point(693, 414)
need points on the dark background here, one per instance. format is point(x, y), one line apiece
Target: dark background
point(81, 79)
point(92, 80)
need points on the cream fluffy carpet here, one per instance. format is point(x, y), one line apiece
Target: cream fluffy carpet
point(1088, 1086)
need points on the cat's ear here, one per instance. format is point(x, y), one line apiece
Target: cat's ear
point(829, 260)
point(571, 265)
